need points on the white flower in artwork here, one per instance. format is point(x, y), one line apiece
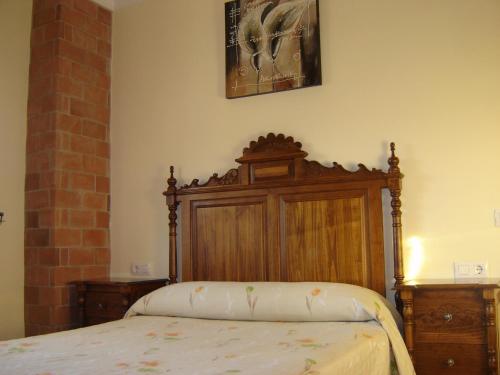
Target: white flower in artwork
point(280, 22)
point(264, 28)
point(251, 36)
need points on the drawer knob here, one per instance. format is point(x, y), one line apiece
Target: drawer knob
point(450, 362)
point(448, 317)
point(100, 306)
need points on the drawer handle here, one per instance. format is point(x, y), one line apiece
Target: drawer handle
point(450, 362)
point(100, 306)
point(448, 317)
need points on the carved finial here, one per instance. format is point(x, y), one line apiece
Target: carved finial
point(172, 180)
point(393, 160)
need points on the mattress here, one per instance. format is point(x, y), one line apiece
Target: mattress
point(185, 346)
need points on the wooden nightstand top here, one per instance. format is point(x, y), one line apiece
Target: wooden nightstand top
point(451, 283)
point(122, 281)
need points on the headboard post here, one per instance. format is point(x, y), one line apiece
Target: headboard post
point(395, 185)
point(172, 203)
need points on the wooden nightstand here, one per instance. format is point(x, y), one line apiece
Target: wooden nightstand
point(102, 301)
point(450, 327)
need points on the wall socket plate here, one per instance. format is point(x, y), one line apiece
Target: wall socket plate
point(141, 269)
point(471, 270)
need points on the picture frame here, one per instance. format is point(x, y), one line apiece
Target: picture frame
point(271, 46)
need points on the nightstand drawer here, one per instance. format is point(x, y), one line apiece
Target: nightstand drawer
point(452, 359)
point(105, 305)
point(449, 316)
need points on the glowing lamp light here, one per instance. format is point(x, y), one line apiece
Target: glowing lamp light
point(415, 259)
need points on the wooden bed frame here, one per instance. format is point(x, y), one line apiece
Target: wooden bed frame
point(281, 217)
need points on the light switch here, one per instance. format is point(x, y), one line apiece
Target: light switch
point(463, 269)
point(497, 217)
point(140, 269)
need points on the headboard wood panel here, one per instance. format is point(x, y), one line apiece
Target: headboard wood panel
point(280, 217)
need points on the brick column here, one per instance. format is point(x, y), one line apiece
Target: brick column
point(67, 171)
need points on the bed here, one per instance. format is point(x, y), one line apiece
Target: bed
point(282, 269)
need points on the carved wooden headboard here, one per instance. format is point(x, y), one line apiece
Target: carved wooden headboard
point(281, 217)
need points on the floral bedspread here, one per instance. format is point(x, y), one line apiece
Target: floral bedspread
point(216, 328)
point(184, 346)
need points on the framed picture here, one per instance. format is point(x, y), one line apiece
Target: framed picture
point(271, 45)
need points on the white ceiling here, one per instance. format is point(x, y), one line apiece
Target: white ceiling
point(116, 4)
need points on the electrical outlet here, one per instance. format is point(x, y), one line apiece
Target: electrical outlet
point(141, 269)
point(471, 270)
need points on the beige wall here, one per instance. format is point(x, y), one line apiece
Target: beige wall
point(425, 74)
point(15, 27)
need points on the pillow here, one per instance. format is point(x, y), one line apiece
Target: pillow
point(266, 301)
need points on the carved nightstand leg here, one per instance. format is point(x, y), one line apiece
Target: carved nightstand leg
point(409, 321)
point(81, 289)
point(491, 329)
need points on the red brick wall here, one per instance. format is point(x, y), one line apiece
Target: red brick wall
point(67, 172)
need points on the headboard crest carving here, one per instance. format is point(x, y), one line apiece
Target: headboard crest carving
point(230, 178)
point(280, 159)
point(272, 147)
point(315, 169)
